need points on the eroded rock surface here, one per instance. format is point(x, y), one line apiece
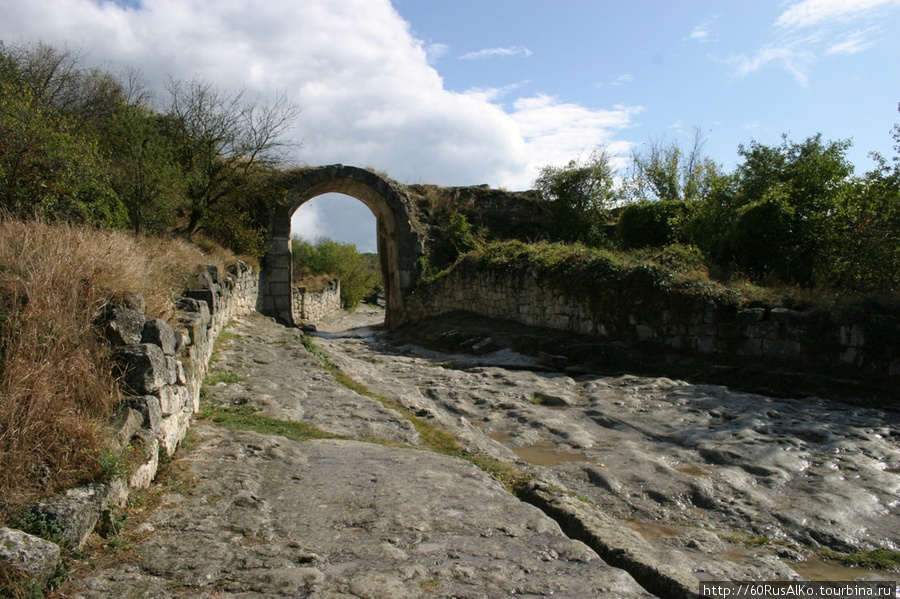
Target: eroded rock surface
point(725, 484)
point(266, 516)
point(674, 482)
point(269, 517)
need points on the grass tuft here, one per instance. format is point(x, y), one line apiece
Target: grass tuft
point(247, 418)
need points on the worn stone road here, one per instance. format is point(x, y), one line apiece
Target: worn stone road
point(673, 482)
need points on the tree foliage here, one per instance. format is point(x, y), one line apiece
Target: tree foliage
point(578, 197)
point(223, 140)
point(48, 168)
point(359, 274)
point(662, 170)
point(792, 212)
point(80, 144)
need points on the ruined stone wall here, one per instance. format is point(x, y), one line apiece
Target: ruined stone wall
point(310, 306)
point(162, 368)
point(854, 340)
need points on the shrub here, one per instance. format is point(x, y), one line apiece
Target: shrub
point(358, 273)
point(652, 224)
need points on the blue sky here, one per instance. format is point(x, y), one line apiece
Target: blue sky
point(461, 92)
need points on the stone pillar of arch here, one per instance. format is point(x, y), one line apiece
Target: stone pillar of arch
point(399, 247)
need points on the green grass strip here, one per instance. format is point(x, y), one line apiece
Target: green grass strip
point(431, 437)
point(878, 559)
point(248, 418)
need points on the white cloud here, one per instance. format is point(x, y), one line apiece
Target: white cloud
point(497, 52)
point(556, 132)
point(622, 80)
point(792, 57)
point(368, 93)
point(703, 32)
point(810, 13)
point(854, 42)
point(811, 29)
point(308, 221)
point(434, 52)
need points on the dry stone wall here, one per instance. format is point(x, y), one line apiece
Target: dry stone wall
point(162, 368)
point(858, 341)
point(310, 306)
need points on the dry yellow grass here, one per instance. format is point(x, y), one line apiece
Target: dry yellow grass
point(56, 384)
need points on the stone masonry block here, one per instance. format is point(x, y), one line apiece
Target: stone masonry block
point(143, 368)
point(158, 332)
point(144, 474)
point(150, 409)
point(73, 514)
point(122, 326)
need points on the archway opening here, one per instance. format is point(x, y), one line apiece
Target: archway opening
point(337, 234)
point(399, 245)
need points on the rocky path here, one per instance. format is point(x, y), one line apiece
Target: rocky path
point(670, 483)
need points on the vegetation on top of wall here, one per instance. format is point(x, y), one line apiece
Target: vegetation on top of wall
point(56, 383)
point(792, 214)
point(596, 272)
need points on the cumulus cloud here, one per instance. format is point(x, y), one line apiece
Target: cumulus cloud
point(498, 53)
point(367, 88)
point(556, 131)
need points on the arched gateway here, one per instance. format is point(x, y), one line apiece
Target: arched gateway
point(399, 246)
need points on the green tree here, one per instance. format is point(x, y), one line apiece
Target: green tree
point(222, 141)
point(653, 224)
point(864, 255)
point(663, 170)
point(795, 191)
point(49, 170)
point(578, 197)
point(49, 166)
point(359, 275)
point(144, 173)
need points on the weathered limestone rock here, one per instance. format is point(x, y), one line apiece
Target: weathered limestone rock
point(36, 558)
point(150, 408)
point(148, 444)
point(124, 426)
point(144, 368)
point(122, 325)
point(269, 517)
point(74, 513)
point(158, 332)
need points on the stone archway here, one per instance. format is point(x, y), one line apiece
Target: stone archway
point(399, 246)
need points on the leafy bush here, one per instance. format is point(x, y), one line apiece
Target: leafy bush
point(578, 197)
point(652, 224)
point(359, 274)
